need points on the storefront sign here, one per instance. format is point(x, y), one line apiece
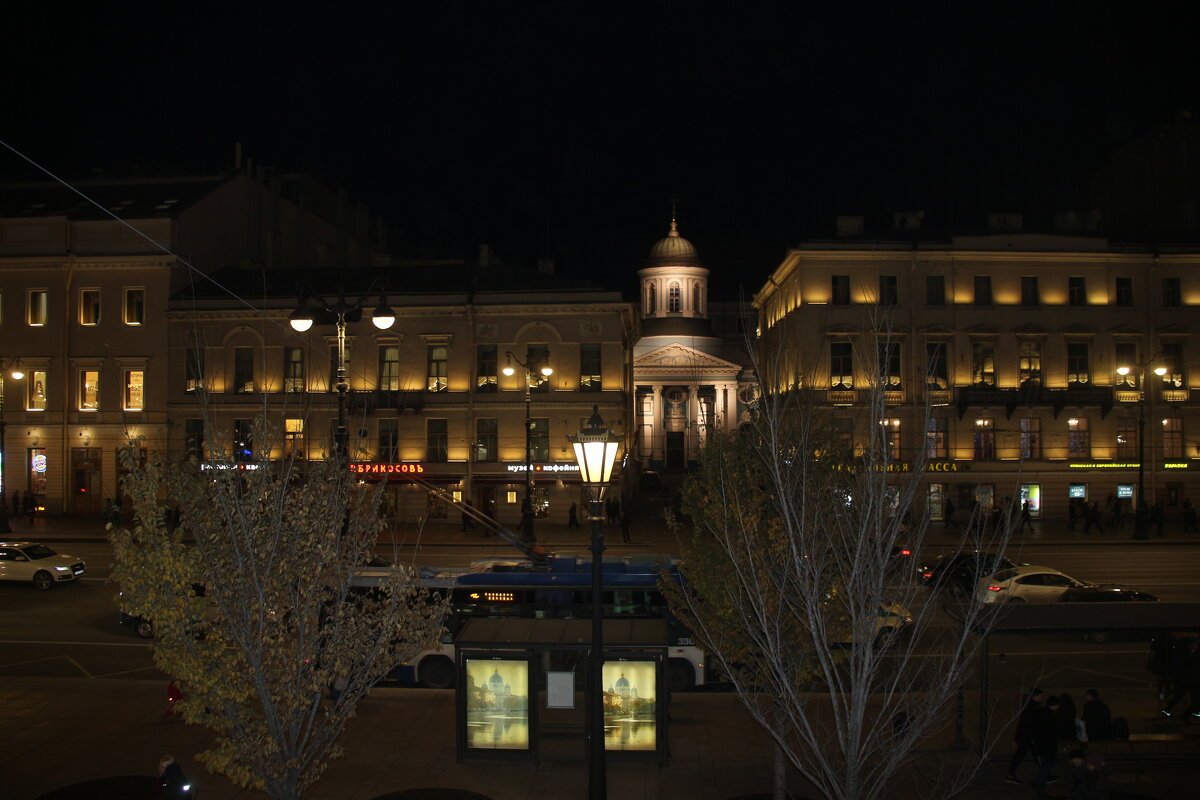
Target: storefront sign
point(1104, 465)
point(39, 463)
point(544, 467)
point(905, 466)
point(368, 468)
point(1175, 465)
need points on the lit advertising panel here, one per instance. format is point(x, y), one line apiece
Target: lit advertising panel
point(497, 704)
point(630, 705)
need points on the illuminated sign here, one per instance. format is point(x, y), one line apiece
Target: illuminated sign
point(229, 466)
point(39, 463)
point(497, 704)
point(630, 705)
point(1175, 465)
point(905, 466)
point(1104, 465)
point(544, 467)
point(1124, 491)
point(366, 468)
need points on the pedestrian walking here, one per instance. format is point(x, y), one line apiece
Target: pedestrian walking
point(1045, 744)
point(172, 783)
point(948, 515)
point(28, 506)
point(468, 524)
point(1072, 512)
point(573, 516)
point(1189, 517)
point(1094, 517)
point(1096, 717)
point(1158, 518)
point(1023, 737)
point(624, 521)
point(1064, 719)
point(1026, 517)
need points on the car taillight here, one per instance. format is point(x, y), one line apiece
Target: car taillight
point(906, 552)
point(926, 574)
point(995, 588)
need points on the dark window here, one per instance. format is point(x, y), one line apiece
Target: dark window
point(936, 374)
point(983, 290)
point(486, 439)
point(889, 435)
point(889, 293)
point(983, 363)
point(1031, 438)
point(935, 438)
point(538, 356)
point(1172, 431)
point(1029, 365)
point(193, 438)
point(1079, 442)
point(1172, 296)
point(1030, 296)
point(1077, 291)
point(437, 441)
point(840, 290)
point(590, 379)
point(539, 439)
point(1172, 359)
point(243, 369)
point(889, 365)
point(1127, 447)
point(389, 440)
point(985, 440)
point(1079, 367)
point(293, 369)
point(243, 441)
point(1125, 292)
point(935, 290)
point(485, 368)
point(438, 368)
point(841, 365)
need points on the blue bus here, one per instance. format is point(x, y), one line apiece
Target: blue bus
point(558, 588)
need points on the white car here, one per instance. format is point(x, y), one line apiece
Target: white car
point(1027, 584)
point(38, 564)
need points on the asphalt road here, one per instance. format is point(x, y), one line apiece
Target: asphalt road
point(73, 630)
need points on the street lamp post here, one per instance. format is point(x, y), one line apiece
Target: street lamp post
point(338, 314)
point(17, 374)
point(532, 370)
point(1141, 522)
point(596, 451)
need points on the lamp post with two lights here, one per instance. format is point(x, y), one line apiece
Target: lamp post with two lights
point(538, 372)
point(15, 371)
point(596, 450)
point(1141, 521)
point(338, 314)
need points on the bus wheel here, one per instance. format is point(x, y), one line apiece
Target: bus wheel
point(680, 675)
point(437, 672)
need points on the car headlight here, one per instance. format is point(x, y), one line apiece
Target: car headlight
point(62, 569)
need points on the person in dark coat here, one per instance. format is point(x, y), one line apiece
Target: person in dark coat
point(1064, 719)
point(1023, 738)
point(1093, 516)
point(1072, 512)
point(1189, 517)
point(1097, 719)
point(29, 506)
point(1158, 518)
point(1044, 744)
point(1089, 777)
point(171, 780)
point(1187, 682)
point(573, 516)
point(624, 521)
point(16, 500)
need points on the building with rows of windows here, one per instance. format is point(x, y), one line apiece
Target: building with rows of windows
point(1019, 364)
point(429, 397)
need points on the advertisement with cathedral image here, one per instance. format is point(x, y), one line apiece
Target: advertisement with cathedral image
point(630, 705)
point(497, 704)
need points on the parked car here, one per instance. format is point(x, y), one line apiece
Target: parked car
point(958, 573)
point(1105, 593)
point(37, 564)
point(142, 626)
point(1026, 584)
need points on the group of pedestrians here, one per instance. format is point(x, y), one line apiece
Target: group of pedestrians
point(1046, 721)
point(22, 506)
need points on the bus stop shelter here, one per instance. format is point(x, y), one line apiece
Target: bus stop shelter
point(522, 686)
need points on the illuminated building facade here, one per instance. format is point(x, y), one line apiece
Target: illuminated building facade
point(1013, 341)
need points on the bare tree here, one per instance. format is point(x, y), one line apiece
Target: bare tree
point(255, 607)
point(796, 584)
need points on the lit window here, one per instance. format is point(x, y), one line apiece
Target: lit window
point(438, 368)
point(673, 297)
point(134, 379)
point(39, 308)
point(293, 438)
point(89, 307)
point(36, 399)
point(134, 312)
point(89, 389)
point(293, 369)
point(1079, 443)
point(389, 368)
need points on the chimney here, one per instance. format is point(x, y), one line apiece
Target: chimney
point(546, 265)
point(1004, 221)
point(849, 226)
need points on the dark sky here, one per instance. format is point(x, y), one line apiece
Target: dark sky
point(563, 128)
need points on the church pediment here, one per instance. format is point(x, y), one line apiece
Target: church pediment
point(680, 356)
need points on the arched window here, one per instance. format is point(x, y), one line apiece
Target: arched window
point(673, 299)
point(651, 300)
point(696, 299)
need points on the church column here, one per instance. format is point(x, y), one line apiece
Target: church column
point(695, 437)
point(657, 437)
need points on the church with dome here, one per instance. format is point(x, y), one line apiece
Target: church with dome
point(690, 380)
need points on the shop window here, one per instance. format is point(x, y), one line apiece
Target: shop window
point(134, 389)
point(134, 308)
point(89, 307)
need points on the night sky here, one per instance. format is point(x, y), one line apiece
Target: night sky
point(563, 128)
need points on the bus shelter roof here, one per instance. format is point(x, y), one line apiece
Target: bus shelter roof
point(560, 633)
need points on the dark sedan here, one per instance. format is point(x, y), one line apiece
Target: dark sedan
point(1110, 593)
point(958, 573)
